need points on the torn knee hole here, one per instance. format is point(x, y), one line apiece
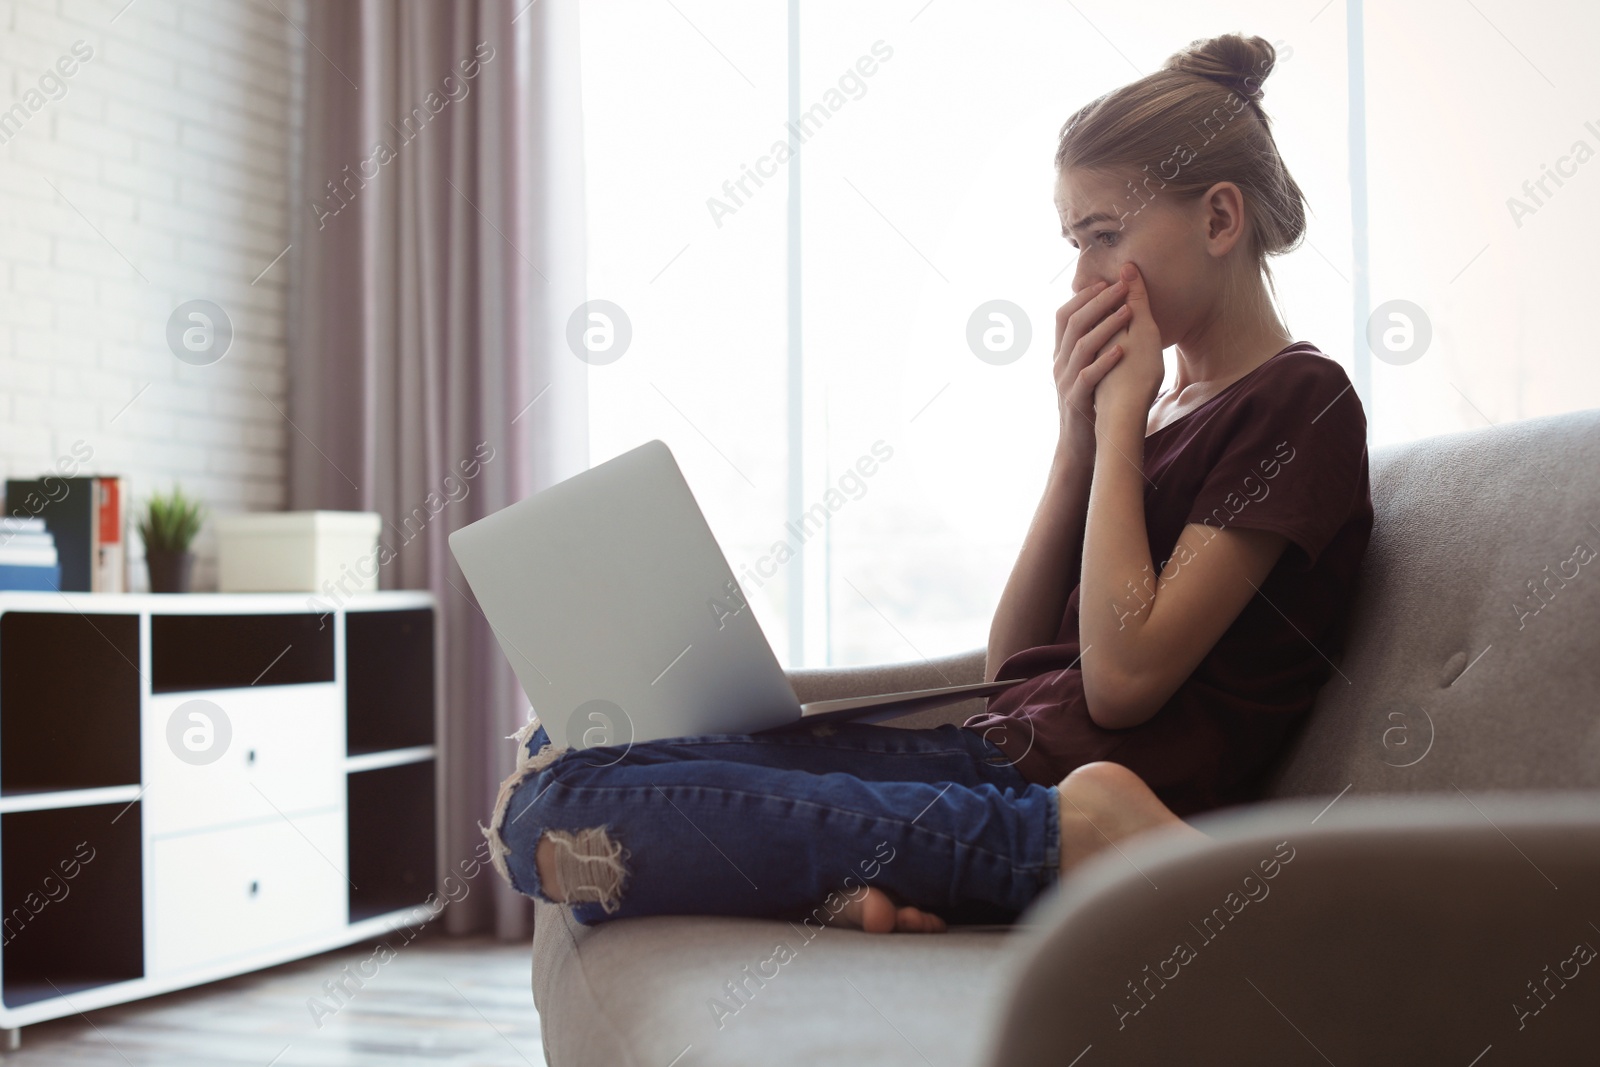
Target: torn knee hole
point(527, 765)
point(582, 866)
point(544, 757)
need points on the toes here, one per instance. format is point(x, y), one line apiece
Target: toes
point(875, 912)
point(916, 921)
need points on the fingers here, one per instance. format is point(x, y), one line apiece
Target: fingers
point(1080, 391)
point(1078, 300)
point(1090, 376)
point(1086, 326)
point(1082, 298)
point(1098, 305)
point(1143, 331)
point(1081, 319)
point(1089, 344)
point(1134, 281)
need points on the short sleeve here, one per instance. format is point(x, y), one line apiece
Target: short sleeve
point(1293, 458)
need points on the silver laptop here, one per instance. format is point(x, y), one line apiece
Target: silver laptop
point(622, 619)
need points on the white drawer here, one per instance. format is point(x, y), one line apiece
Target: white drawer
point(229, 893)
point(285, 754)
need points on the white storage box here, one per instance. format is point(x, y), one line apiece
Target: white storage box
point(328, 552)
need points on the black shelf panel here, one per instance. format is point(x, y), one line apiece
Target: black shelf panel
point(69, 701)
point(72, 890)
point(389, 680)
point(391, 839)
point(234, 651)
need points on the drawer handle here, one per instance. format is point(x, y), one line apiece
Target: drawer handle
point(250, 757)
point(255, 888)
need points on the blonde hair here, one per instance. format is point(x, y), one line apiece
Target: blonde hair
point(1208, 93)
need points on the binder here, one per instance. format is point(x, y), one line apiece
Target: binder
point(110, 537)
point(30, 579)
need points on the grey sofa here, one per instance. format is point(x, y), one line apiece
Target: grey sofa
point(1418, 883)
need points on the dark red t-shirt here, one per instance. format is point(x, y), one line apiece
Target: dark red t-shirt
point(1283, 448)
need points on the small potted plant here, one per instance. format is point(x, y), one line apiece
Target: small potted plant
point(168, 528)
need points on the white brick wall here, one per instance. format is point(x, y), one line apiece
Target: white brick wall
point(169, 152)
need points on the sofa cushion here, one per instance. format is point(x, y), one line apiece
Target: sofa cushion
point(1471, 655)
point(648, 990)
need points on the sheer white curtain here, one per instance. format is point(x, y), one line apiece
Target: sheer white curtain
point(440, 252)
point(1484, 170)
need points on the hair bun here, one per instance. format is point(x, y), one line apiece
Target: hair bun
point(1237, 62)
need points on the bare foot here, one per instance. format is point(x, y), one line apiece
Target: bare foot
point(1103, 803)
point(875, 913)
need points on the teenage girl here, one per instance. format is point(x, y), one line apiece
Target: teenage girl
point(1178, 601)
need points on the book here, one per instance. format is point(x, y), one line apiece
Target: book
point(26, 540)
point(110, 544)
point(45, 579)
point(28, 555)
point(84, 516)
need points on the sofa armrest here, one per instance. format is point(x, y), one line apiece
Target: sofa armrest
point(959, 668)
point(1388, 930)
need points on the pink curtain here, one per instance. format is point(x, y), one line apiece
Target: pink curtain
point(438, 254)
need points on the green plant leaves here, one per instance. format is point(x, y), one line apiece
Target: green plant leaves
point(170, 522)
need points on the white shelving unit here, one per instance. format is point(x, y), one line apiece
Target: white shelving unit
point(143, 849)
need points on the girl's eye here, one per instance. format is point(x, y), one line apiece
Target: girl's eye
point(1107, 233)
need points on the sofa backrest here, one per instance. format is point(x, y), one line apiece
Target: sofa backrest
point(1473, 654)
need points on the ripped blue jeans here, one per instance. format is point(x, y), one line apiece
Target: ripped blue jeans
point(771, 825)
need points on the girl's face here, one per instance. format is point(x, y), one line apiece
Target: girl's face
point(1170, 241)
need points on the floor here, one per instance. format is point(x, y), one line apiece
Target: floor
point(441, 1001)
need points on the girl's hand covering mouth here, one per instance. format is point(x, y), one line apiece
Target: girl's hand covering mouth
point(1136, 378)
point(1084, 355)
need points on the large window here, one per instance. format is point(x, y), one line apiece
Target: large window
point(803, 345)
point(1483, 209)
